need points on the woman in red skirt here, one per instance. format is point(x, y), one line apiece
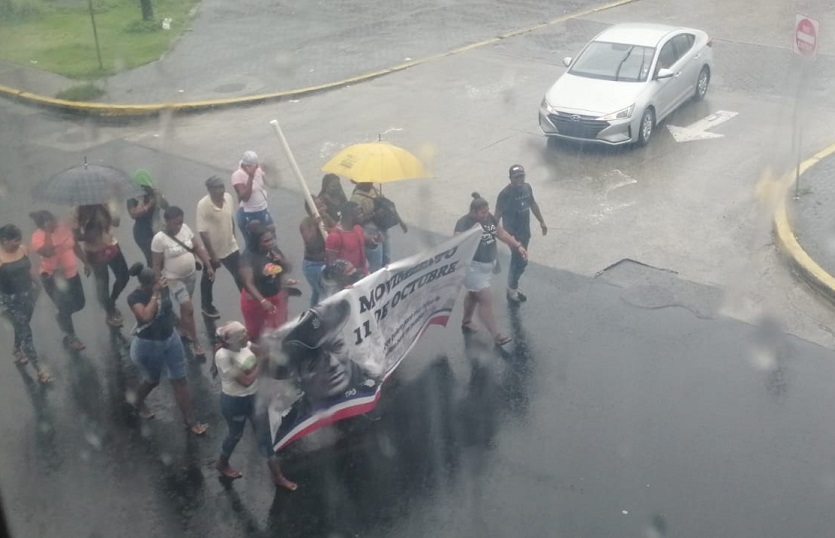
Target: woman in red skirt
point(263, 272)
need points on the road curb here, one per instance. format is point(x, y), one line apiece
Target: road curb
point(120, 111)
point(803, 264)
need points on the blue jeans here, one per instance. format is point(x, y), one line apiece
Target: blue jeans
point(152, 356)
point(517, 264)
point(313, 273)
point(245, 217)
point(237, 410)
point(386, 248)
point(374, 257)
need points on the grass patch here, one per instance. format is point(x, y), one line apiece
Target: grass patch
point(81, 92)
point(57, 35)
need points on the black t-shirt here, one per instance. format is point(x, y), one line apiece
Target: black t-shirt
point(161, 327)
point(515, 205)
point(266, 271)
point(143, 221)
point(486, 251)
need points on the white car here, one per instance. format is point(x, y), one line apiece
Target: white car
point(625, 81)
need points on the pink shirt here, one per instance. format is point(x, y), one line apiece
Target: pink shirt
point(258, 200)
point(64, 259)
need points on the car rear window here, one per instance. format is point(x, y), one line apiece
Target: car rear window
point(614, 61)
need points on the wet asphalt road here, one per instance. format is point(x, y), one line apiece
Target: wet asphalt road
point(624, 405)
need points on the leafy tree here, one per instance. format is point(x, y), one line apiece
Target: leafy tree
point(147, 10)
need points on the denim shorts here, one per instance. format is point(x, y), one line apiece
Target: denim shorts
point(154, 356)
point(479, 275)
point(182, 289)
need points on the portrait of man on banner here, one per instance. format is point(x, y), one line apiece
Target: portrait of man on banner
point(329, 378)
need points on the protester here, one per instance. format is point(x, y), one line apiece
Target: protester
point(263, 273)
point(145, 212)
point(320, 359)
point(53, 241)
point(175, 253)
point(17, 297)
point(93, 227)
point(332, 195)
point(248, 182)
point(377, 214)
point(239, 370)
point(477, 280)
point(513, 211)
point(314, 247)
point(157, 348)
point(216, 226)
point(346, 241)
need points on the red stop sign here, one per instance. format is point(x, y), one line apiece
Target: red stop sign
point(806, 37)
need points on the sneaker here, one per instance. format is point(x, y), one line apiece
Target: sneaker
point(211, 312)
point(516, 296)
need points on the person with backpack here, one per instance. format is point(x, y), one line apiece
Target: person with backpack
point(377, 215)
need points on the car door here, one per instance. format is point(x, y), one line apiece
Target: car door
point(688, 65)
point(667, 90)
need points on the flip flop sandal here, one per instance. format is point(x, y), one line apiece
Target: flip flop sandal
point(20, 357)
point(144, 413)
point(467, 327)
point(502, 340)
point(44, 377)
point(76, 344)
point(198, 428)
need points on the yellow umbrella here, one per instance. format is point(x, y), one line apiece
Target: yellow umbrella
point(375, 162)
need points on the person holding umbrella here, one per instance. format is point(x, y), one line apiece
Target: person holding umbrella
point(53, 241)
point(332, 194)
point(17, 297)
point(93, 226)
point(477, 280)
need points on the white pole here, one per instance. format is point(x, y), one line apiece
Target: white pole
point(307, 196)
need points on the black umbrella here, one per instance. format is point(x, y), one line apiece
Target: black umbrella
point(86, 185)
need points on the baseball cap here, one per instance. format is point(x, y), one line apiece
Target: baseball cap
point(249, 158)
point(315, 326)
point(516, 170)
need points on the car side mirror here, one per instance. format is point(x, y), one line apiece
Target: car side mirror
point(664, 73)
point(567, 61)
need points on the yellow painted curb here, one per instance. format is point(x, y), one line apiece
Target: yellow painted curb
point(786, 241)
point(106, 110)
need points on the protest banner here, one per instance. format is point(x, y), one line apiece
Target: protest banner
point(341, 351)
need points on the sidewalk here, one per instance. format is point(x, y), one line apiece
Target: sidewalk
point(257, 49)
point(805, 227)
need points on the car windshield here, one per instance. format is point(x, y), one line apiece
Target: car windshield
point(614, 61)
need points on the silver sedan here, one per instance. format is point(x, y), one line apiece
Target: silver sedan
point(625, 81)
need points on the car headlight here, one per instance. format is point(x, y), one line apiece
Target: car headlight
point(547, 106)
point(620, 114)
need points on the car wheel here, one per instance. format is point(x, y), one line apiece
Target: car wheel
point(646, 127)
point(702, 83)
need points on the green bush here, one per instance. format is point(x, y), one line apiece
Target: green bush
point(81, 92)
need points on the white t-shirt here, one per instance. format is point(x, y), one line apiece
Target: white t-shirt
point(258, 200)
point(230, 364)
point(177, 262)
point(216, 222)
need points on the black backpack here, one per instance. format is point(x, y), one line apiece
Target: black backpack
point(385, 213)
